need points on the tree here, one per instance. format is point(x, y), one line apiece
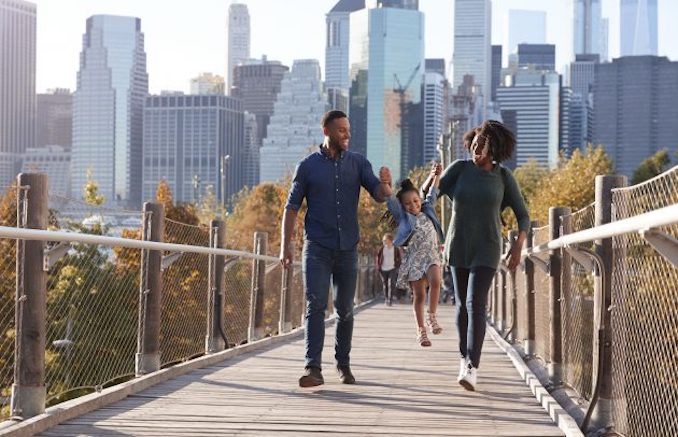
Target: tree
point(91, 191)
point(571, 184)
point(651, 167)
point(210, 208)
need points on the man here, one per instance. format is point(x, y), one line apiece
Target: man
point(330, 181)
point(388, 262)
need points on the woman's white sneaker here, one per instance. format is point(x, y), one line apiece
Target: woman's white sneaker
point(462, 369)
point(469, 379)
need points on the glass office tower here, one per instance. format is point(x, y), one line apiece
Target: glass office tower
point(108, 109)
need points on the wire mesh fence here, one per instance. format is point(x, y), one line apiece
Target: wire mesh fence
point(8, 217)
point(577, 314)
point(541, 301)
point(644, 318)
point(92, 300)
point(184, 298)
point(272, 286)
point(238, 278)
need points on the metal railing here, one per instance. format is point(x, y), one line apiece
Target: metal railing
point(603, 282)
point(96, 306)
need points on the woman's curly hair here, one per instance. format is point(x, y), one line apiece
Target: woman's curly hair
point(405, 186)
point(502, 140)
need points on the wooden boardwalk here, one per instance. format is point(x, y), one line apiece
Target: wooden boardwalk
point(402, 389)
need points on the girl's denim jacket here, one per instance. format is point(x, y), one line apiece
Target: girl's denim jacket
point(406, 220)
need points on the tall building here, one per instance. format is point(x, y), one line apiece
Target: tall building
point(238, 40)
point(257, 84)
point(189, 141)
point(435, 65)
point(638, 27)
point(435, 113)
point(387, 51)
point(294, 130)
point(583, 74)
point(472, 41)
point(53, 160)
point(250, 150)
point(207, 83)
point(635, 109)
point(496, 69)
point(54, 121)
point(525, 27)
point(108, 109)
point(337, 42)
point(17, 85)
point(538, 56)
point(590, 29)
point(535, 98)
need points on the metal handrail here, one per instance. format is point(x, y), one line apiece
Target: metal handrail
point(659, 217)
point(73, 237)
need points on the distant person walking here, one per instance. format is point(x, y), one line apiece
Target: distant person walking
point(480, 188)
point(330, 181)
point(420, 231)
point(388, 262)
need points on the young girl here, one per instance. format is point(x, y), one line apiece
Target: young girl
point(420, 232)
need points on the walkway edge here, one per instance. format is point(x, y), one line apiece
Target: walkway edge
point(85, 404)
point(558, 414)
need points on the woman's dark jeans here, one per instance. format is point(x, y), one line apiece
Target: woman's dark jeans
point(471, 287)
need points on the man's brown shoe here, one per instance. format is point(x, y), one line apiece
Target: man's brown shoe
point(345, 375)
point(311, 377)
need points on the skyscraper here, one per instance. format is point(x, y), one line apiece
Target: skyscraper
point(337, 41)
point(54, 122)
point(387, 44)
point(108, 109)
point(590, 29)
point(535, 98)
point(238, 44)
point(257, 84)
point(525, 27)
point(539, 56)
point(435, 112)
point(294, 129)
point(17, 85)
point(638, 27)
point(472, 41)
point(496, 69)
point(635, 109)
point(188, 141)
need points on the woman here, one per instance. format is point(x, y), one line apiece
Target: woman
point(479, 189)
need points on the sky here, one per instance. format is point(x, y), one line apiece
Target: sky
point(184, 38)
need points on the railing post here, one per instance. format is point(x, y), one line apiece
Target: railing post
point(502, 296)
point(214, 342)
point(602, 414)
point(255, 330)
point(555, 367)
point(150, 293)
point(513, 290)
point(28, 391)
point(285, 324)
point(530, 344)
point(566, 273)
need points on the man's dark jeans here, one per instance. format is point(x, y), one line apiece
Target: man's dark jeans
point(320, 265)
point(471, 287)
point(388, 282)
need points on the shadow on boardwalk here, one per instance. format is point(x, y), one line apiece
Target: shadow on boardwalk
point(402, 389)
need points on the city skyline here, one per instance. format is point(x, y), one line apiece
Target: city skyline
point(175, 57)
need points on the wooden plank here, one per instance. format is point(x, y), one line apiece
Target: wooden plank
point(402, 389)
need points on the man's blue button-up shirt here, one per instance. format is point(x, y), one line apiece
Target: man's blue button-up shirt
point(332, 189)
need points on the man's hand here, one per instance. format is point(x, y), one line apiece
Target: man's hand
point(385, 176)
point(286, 255)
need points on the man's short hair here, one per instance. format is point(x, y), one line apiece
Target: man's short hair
point(331, 115)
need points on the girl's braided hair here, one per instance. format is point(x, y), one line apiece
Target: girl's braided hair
point(405, 186)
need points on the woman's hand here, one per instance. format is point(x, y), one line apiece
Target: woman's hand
point(512, 258)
